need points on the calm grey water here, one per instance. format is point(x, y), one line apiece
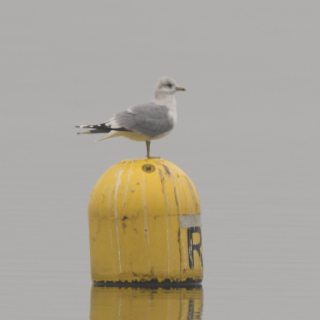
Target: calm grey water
point(247, 135)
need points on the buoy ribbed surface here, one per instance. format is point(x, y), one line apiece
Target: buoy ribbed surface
point(144, 223)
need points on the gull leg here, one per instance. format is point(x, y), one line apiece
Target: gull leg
point(148, 143)
point(148, 148)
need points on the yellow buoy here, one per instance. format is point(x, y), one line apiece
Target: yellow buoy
point(144, 225)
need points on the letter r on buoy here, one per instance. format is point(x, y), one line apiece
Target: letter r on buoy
point(194, 247)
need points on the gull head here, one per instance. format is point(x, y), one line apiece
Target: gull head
point(166, 87)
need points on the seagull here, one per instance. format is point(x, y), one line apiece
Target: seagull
point(144, 122)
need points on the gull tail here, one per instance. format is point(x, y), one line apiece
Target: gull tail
point(97, 128)
point(102, 128)
point(109, 135)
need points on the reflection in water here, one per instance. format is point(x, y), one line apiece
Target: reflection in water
point(146, 303)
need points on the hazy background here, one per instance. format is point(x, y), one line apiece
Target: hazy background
point(247, 135)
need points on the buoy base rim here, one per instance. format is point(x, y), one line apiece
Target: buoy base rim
point(188, 283)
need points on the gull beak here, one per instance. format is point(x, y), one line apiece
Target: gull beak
point(180, 89)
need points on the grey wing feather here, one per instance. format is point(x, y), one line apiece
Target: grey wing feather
point(150, 119)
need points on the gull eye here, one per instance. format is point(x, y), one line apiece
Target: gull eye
point(170, 85)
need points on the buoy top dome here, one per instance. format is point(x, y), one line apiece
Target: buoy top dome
point(144, 186)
